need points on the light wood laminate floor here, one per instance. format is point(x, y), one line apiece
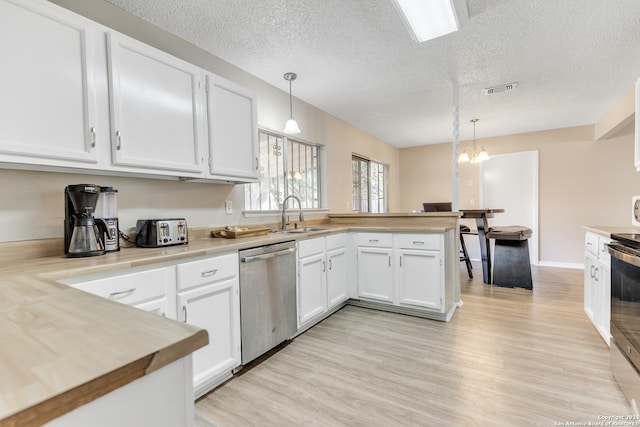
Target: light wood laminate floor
point(509, 357)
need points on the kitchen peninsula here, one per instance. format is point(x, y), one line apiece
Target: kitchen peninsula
point(69, 347)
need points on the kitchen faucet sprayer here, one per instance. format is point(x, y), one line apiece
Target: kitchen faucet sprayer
point(284, 208)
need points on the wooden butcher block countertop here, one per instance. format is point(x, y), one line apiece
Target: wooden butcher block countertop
point(62, 348)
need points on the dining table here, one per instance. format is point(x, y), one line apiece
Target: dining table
point(481, 216)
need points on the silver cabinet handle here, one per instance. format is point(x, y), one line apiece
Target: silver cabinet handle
point(128, 291)
point(257, 163)
point(373, 240)
point(93, 137)
point(417, 242)
point(118, 140)
point(591, 270)
point(209, 272)
point(330, 264)
point(324, 266)
point(401, 261)
point(389, 260)
point(184, 313)
point(595, 276)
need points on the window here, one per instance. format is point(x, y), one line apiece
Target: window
point(369, 185)
point(287, 166)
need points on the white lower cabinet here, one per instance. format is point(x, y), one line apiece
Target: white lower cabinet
point(203, 292)
point(150, 289)
point(336, 272)
point(404, 270)
point(312, 278)
point(163, 398)
point(597, 283)
point(158, 306)
point(208, 297)
point(419, 278)
point(322, 277)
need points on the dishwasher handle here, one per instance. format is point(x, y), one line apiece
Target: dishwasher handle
point(267, 255)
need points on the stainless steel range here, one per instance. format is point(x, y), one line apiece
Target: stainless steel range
point(625, 314)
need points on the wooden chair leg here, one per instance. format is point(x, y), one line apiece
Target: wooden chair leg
point(465, 256)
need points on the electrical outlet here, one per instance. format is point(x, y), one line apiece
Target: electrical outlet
point(635, 211)
point(228, 207)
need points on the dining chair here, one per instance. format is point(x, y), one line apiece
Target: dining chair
point(446, 207)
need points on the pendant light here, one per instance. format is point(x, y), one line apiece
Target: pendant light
point(475, 156)
point(291, 128)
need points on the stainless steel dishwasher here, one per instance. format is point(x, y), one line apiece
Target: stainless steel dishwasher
point(267, 298)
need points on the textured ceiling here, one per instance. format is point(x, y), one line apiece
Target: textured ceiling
point(572, 59)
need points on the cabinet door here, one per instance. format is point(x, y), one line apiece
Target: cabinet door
point(136, 288)
point(602, 314)
point(336, 277)
point(214, 308)
point(155, 108)
point(158, 306)
point(47, 107)
point(311, 287)
point(233, 129)
point(590, 271)
point(420, 278)
point(374, 274)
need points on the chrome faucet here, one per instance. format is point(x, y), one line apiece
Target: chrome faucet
point(284, 207)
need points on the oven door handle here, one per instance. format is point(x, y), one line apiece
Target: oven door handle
point(624, 253)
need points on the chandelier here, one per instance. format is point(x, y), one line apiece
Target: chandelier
point(474, 156)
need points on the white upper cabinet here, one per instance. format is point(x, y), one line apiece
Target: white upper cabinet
point(78, 96)
point(156, 108)
point(233, 130)
point(47, 106)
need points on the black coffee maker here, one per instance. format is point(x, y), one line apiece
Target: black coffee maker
point(82, 236)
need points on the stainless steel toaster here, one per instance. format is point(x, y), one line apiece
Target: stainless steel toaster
point(154, 233)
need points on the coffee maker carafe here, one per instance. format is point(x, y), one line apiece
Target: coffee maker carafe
point(81, 234)
point(106, 216)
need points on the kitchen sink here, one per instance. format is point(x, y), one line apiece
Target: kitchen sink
point(304, 230)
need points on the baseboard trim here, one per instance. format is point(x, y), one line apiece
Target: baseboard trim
point(576, 266)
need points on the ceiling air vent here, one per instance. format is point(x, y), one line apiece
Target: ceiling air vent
point(509, 87)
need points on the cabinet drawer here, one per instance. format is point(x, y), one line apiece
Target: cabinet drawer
point(381, 240)
point(336, 241)
point(207, 270)
point(131, 288)
point(310, 247)
point(591, 243)
point(419, 241)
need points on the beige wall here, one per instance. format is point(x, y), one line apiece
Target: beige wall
point(581, 182)
point(32, 202)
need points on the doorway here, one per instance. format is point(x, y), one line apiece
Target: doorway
point(510, 181)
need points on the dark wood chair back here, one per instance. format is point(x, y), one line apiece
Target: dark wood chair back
point(437, 207)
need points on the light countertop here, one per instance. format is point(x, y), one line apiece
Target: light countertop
point(607, 231)
point(61, 344)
